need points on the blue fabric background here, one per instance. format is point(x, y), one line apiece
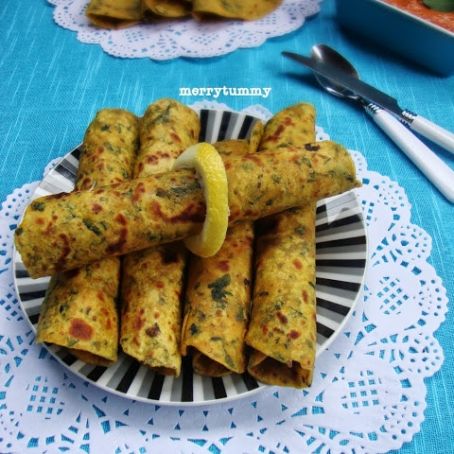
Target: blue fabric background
point(51, 85)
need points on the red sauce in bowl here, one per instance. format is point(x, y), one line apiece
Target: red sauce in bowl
point(419, 9)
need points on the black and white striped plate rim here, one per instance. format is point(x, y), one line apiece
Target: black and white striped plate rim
point(341, 263)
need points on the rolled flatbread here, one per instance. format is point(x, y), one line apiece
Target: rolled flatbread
point(234, 9)
point(153, 278)
point(114, 13)
point(66, 231)
point(282, 330)
point(79, 311)
point(170, 9)
point(218, 295)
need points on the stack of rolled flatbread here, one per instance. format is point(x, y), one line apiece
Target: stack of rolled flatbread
point(122, 277)
point(124, 13)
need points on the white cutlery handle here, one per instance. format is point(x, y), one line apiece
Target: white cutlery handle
point(435, 133)
point(437, 171)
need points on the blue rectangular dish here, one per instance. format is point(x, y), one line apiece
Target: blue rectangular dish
point(404, 33)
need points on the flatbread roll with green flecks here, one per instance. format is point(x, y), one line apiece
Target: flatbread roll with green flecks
point(234, 9)
point(166, 128)
point(293, 126)
point(66, 231)
point(170, 9)
point(217, 305)
point(79, 311)
point(218, 294)
point(282, 330)
point(153, 278)
point(114, 13)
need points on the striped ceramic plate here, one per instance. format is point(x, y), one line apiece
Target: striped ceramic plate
point(341, 263)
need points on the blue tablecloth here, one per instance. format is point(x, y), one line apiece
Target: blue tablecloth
point(51, 86)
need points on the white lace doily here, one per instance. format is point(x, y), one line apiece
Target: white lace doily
point(368, 393)
point(186, 37)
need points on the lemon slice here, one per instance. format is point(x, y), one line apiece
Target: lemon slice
point(208, 164)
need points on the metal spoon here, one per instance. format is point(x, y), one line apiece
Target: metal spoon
point(326, 54)
point(437, 171)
